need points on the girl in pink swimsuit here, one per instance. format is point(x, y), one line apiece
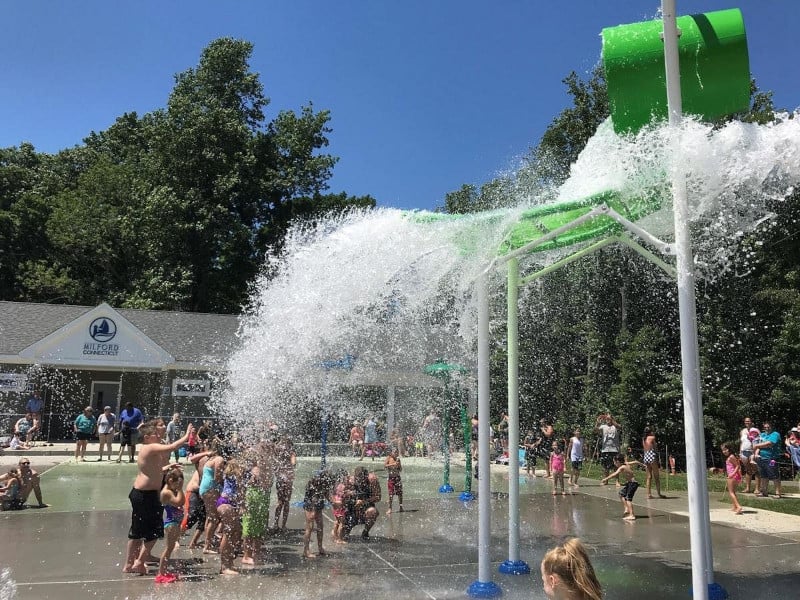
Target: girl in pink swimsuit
point(557, 468)
point(734, 470)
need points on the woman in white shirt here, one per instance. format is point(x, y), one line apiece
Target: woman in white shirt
point(105, 430)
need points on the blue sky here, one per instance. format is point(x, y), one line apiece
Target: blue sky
point(424, 95)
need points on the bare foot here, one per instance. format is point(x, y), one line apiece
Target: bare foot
point(309, 555)
point(629, 518)
point(209, 551)
point(563, 493)
point(227, 571)
point(137, 569)
point(649, 496)
point(554, 492)
point(248, 561)
point(389, 511)
point(739, 511)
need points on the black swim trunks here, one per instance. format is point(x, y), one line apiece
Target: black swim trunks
point(147, 522)
point(629, 489)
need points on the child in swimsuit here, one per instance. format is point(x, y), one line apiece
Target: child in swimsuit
point(627, 491)
point(173, 499)
point(9, 495)
point(557, 468)
point(733, 469)
point(230, 499)
point(317, 492)
point(338, 501)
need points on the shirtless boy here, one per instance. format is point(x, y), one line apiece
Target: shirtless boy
point(146, 520)
point(630, 486)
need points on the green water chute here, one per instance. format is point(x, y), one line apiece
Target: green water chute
point(714, 67)
point(536, 222)
point(539, 221)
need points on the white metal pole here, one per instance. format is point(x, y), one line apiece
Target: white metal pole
point(513, 410)
point(484, 476)
point(699, 523)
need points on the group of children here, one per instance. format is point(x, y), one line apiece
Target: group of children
point(227, 497)
point(557, 457)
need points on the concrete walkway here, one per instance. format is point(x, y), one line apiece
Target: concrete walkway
point(75, 547)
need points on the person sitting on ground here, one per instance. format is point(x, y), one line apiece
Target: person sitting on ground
point(356, 439)
point(29, 482)
point(567, 573)
point(24, 428)
point(17, 444)
point(10, 491)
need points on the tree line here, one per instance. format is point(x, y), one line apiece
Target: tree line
point(602, 334)
point(175, 209)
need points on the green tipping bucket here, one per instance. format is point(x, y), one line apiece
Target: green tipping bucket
point(714, 65)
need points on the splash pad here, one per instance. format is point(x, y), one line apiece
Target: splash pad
point(404, 288)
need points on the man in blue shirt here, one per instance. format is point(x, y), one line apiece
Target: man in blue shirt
point(35, 406)
point(131, 417)
point(768, 447)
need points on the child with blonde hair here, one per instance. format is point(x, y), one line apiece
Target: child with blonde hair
point(567, 573)
point(173, 499)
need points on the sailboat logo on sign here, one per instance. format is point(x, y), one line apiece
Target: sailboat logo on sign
point(102, 329)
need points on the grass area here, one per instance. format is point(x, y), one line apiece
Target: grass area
point(718, 484)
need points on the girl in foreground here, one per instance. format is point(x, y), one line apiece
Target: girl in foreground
point(567, 573)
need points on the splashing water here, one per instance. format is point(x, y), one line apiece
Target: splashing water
point(396, 291)
point(8, 588)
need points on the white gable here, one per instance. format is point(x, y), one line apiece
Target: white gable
point(100, 338)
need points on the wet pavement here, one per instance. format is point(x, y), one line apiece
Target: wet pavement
point(75, 548)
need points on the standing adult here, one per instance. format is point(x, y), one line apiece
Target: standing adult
point(35, 406)
point(609, 431)
point(105, 430)
point(174, 433)
point(285, 464)
point(431, 430)
point(85, 426)
point(650, 460)
point(769, 450)
point(747, 436)
point(546, 443)
point(131, 418)
point(370, 437)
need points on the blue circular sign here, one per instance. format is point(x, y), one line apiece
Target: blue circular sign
point(102, 329)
